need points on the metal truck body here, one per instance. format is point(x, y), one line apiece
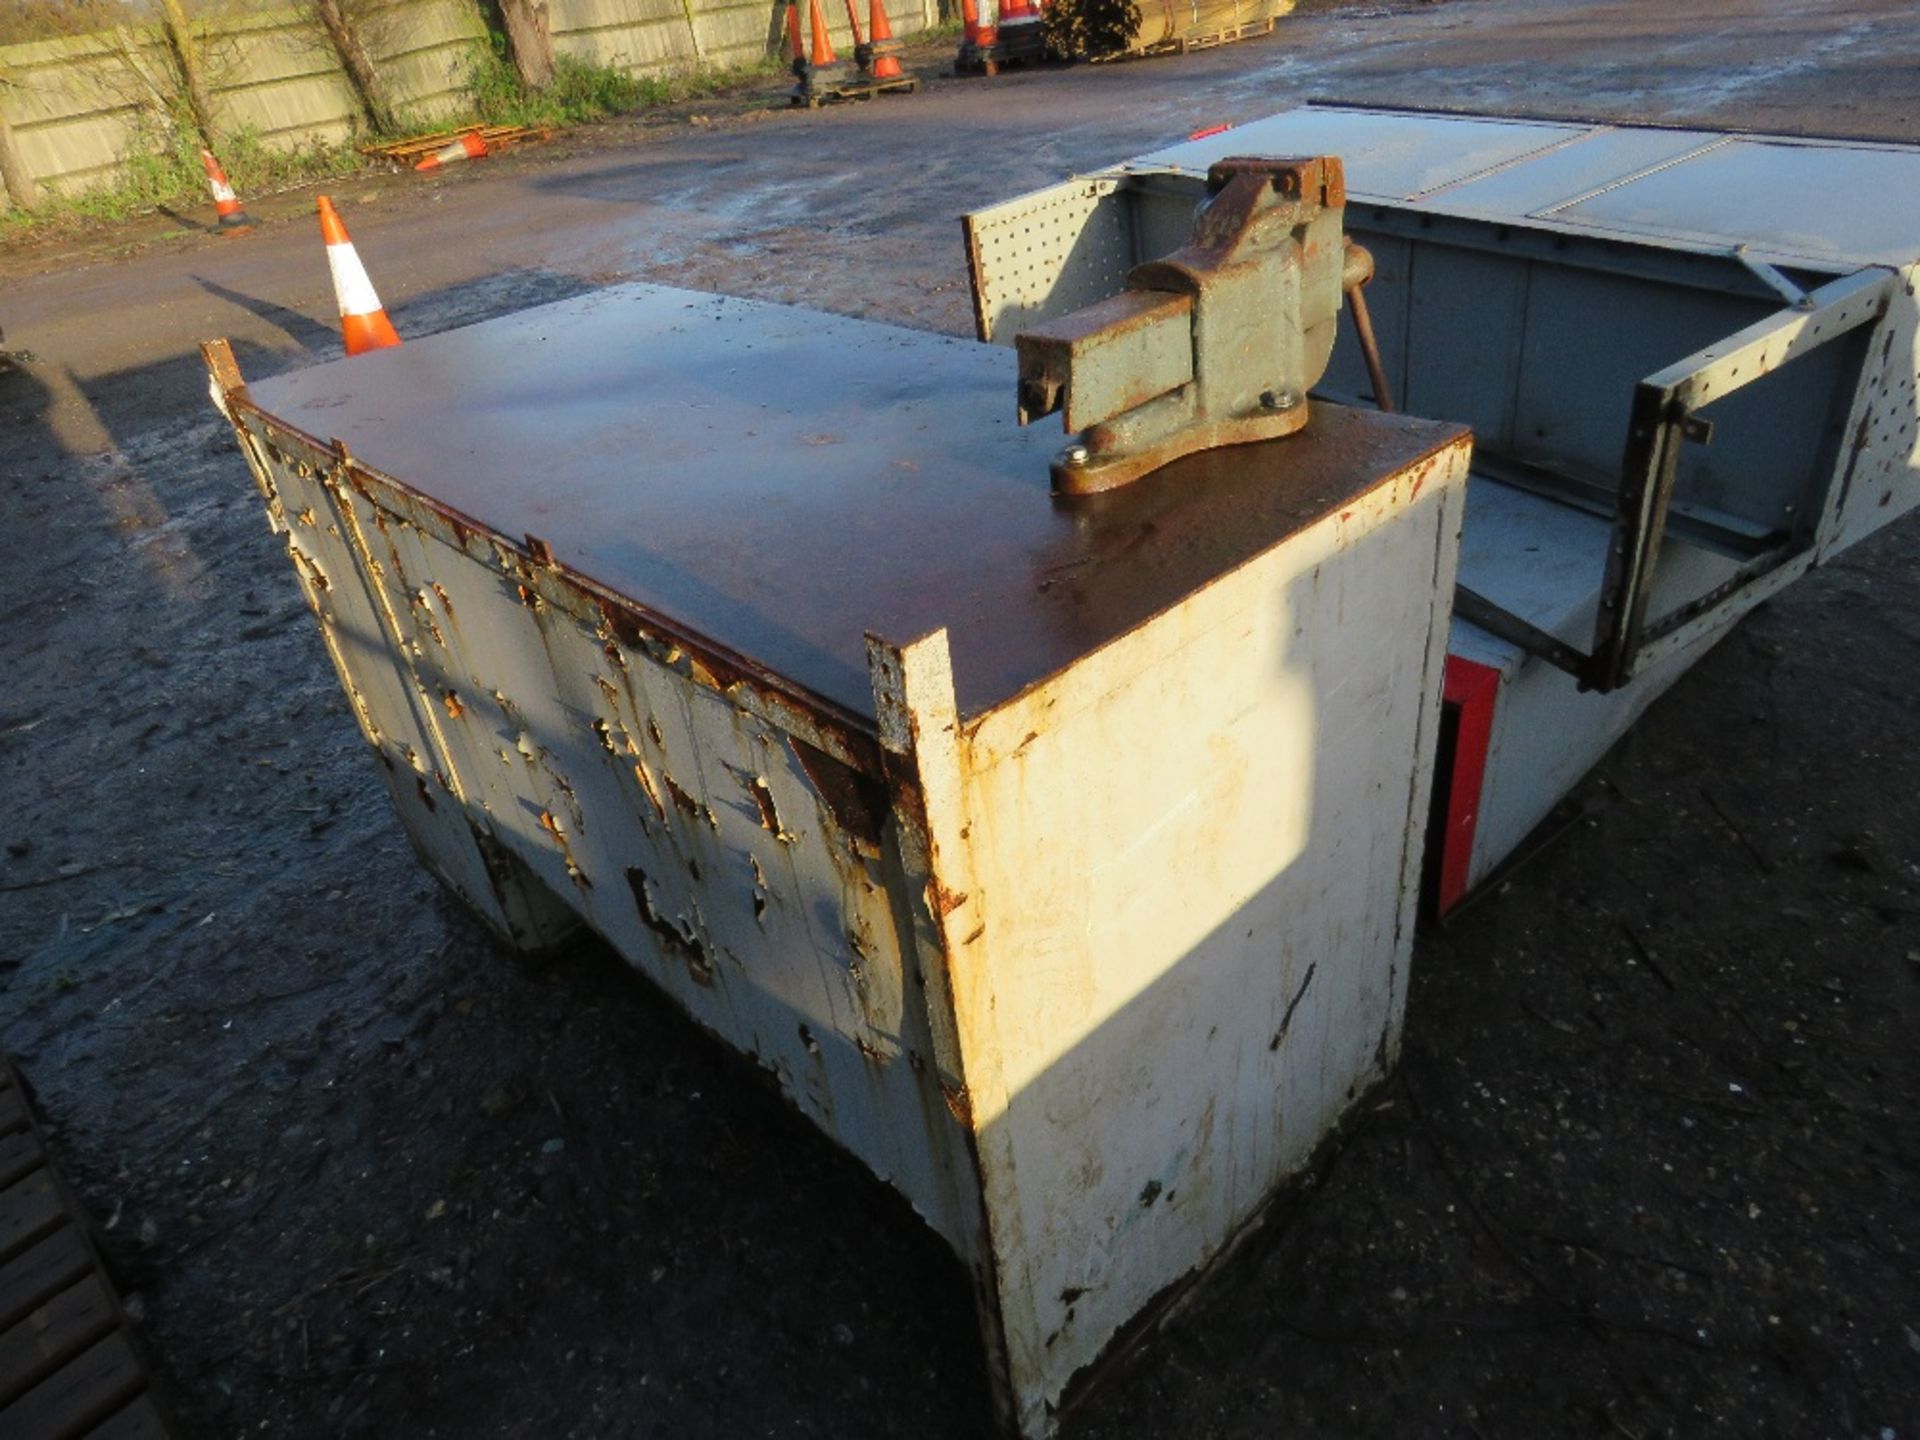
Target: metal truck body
point(1688, 357)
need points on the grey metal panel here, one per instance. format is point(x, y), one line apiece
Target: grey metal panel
point(1535, 557)
point(1464, 338)
point(1163, 214)
point(1542, 360)
point(1387, 156)
point(1819, 199)
point(1466, 314)
point(1542, 561)
point(1828, 203)
point(1598, 159)
point(1590, 338)
point(1547, 734)
point(1769, 438)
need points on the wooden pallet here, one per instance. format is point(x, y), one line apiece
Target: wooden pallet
point(853, 90)
point(416, 147)
point(68, 1367)
point(1224, 37)
point(1181, 44)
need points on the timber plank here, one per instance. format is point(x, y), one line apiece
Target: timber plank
point(40, 1272)
point(68, 1367)
point(85, 1391)
point(19, 1153)
point(53, 1334)
point(29, 1208)
point(139, 1421)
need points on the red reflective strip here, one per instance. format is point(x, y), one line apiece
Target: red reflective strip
point(1210, 130)
point(1472, 689)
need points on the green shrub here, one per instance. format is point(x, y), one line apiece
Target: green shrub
point(579, 91)
point(257, 168)
point(161, 168)
point(582, 91)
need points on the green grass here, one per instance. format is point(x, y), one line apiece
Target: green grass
point(162, 169)
point(583, 92)
point(715, 80)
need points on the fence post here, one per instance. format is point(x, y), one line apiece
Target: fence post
point(529, 40)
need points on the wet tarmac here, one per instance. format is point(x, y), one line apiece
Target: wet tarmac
point(1648, 1165)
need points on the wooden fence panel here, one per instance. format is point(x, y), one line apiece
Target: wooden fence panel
point(642, 37)
point(79, 108)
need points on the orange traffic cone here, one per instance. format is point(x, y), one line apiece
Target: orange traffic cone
point(823, 55)
point(468, 147)
point(978, 37)
point(886, 49)
point(1015, 12)
point(853, 24)
point(363, 320)
point(795, 39)
point(233, 220)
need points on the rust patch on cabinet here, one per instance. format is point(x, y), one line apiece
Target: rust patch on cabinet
point(686, 945)
point(857, 803)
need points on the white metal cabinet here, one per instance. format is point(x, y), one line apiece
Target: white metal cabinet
point(1057, 858)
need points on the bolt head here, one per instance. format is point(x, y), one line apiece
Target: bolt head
point(1075, 455)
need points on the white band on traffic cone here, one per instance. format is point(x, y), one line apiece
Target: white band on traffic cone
point(350, 283)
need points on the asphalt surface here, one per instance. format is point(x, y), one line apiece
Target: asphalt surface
point(1647, 1168)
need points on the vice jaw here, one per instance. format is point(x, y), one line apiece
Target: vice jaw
point(1215, 344)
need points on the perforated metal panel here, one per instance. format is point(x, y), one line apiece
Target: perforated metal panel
point(1046, 254)
point(1880, 467)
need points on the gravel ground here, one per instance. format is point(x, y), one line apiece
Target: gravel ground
point(1647, 1168)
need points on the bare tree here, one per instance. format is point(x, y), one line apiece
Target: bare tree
point(148, 76)
point(337, 20)
point(529, 40)
point(193, 71)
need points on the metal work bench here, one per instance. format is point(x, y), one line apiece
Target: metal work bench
point(1054, 853)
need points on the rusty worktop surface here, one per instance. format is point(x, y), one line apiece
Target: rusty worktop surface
point(782, 481)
